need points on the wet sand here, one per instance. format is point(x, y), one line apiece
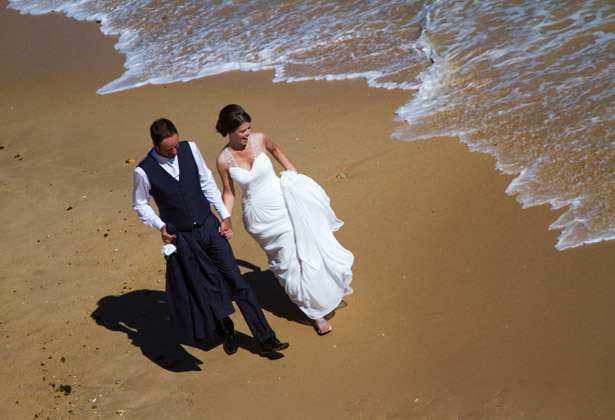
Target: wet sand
point(462, 308)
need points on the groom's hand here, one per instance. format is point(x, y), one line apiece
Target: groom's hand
point(166, 238)
point(226, 228)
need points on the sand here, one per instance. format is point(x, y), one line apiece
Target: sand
point(462, 308)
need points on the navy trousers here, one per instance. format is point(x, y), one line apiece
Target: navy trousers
point(202, 277)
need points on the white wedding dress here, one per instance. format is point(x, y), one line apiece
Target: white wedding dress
point(291, 219)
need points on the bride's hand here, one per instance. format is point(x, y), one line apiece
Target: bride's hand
point(226, 228)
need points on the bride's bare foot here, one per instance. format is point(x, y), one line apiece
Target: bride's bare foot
point(322, 326)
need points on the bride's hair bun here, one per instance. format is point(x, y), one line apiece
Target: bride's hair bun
point(220, 128)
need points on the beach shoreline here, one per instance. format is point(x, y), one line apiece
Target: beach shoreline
point(462, 308)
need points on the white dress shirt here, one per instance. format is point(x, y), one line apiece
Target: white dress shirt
point(142, 187)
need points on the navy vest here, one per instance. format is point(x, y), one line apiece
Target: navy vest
point(182, 202)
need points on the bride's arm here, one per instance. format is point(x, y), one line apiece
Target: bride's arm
point(277, 152)
point(228, 187)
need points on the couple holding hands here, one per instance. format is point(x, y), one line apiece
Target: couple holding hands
point(289, 216)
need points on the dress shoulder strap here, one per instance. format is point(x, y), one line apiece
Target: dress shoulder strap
point(229, 157)
point(255, 147)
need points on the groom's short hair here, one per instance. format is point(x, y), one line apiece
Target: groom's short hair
point(162, 129)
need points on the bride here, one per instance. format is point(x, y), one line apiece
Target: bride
point(290, 218)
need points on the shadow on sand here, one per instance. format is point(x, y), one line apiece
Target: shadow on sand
point(271, 294)
point(144, 316)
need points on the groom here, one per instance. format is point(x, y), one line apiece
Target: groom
point(203, 270)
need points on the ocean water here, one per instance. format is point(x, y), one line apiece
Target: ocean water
point(529, 82)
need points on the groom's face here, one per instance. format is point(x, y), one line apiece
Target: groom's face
point(168, 147)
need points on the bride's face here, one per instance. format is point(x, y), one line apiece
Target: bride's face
point(241, 134)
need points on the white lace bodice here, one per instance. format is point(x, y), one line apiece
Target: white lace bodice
point(259, 184)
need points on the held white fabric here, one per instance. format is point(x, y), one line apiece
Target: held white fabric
point(314, 221)
point(309, 263)
point(142, 186)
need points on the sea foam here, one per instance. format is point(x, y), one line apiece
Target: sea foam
point(529, 83)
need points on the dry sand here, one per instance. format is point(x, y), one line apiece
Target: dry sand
point(462, 306)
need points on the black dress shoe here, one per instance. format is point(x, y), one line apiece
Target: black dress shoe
point(273, 344)
point(230, 345)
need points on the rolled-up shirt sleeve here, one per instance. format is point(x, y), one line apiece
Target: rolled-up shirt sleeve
point(208, 183)
point(140, 200)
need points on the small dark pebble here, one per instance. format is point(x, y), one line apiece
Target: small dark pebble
point(69, 208)
point(105, 235)
point(66, 389)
